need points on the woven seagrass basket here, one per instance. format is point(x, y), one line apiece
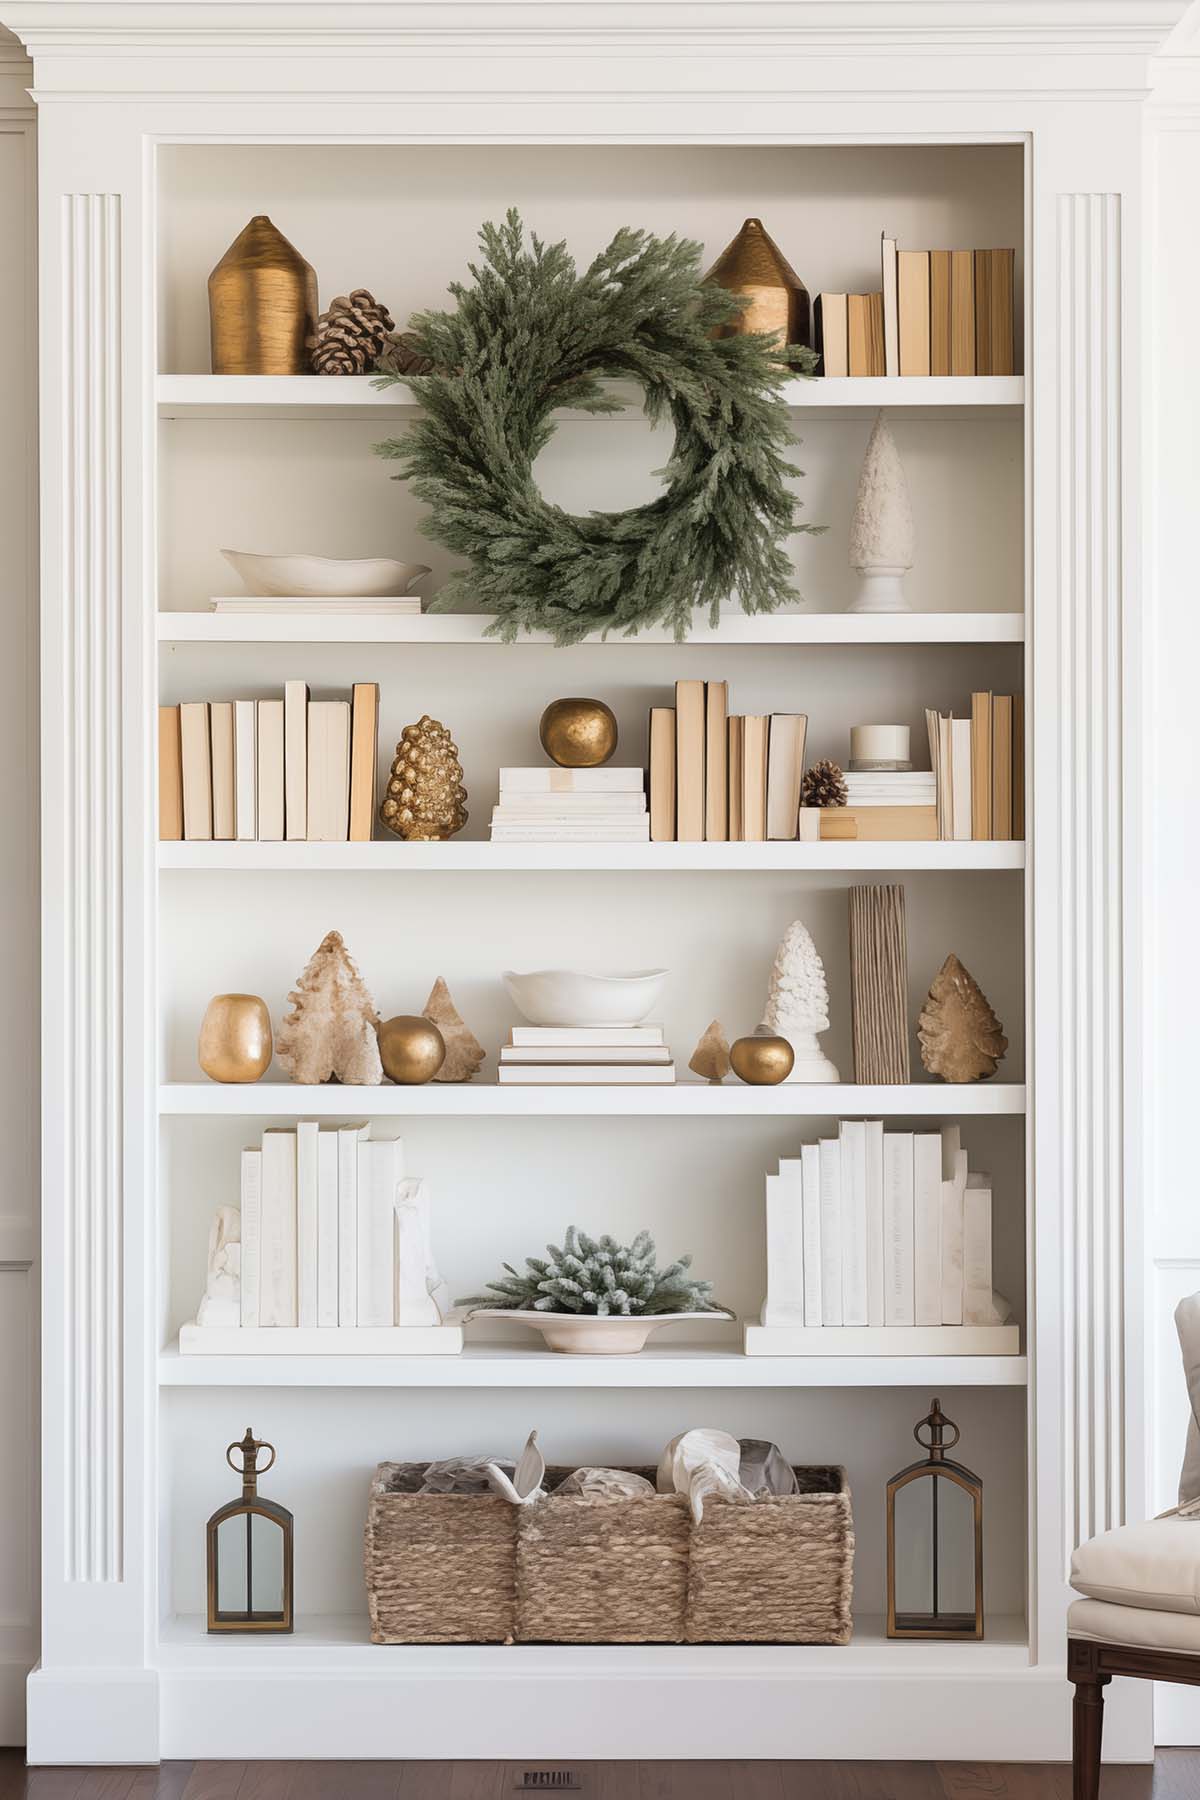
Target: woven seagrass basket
point(444, 1568)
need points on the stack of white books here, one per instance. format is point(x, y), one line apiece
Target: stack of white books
point(891, 787)
point(595, 1055)
point(571, 806)
point(887, 1238)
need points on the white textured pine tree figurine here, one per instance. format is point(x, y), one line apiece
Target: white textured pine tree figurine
point(882, 542)
point(329, 1035)
point(798, 1005)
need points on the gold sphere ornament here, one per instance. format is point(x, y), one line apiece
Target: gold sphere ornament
point(777, 300)
point(762, 1061)
point(235, 1038)
point(411, 1049)
point(578, 734)
point(262, 304)
point(425, 799)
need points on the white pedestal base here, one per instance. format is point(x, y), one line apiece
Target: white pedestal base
point(811, 1064)
point(880, 591)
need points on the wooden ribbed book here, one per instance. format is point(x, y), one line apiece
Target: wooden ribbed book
point(879, 985)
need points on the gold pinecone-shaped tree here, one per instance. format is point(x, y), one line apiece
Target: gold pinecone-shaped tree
point(961, 1037)
point(425, 797)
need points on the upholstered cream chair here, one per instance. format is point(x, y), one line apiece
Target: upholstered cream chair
point(1139, 1611)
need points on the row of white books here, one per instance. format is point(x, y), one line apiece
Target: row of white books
point(268, 770)
point(876, 1229)
point(333, 1235)
point(600, 1055)
point(571, 806)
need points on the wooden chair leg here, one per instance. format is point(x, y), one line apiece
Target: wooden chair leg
point(1087, 1725)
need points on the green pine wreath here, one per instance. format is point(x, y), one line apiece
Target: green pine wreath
point(532, 335)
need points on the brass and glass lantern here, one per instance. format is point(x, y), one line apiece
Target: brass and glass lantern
point(935, 1541)
point(250, 1552)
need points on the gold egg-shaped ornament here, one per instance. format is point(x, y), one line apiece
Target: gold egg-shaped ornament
point(578, 734)
point(235, 1038)
point(755, 267)
point(262, 305)
point(425, 799)
point(411, 1049)
point(762, 1061)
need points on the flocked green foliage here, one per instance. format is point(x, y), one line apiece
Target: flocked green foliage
point(598, 1275)
point(532, 334)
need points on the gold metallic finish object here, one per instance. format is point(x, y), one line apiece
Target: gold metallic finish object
point(578, 734)
point(411, 1049)
point(425, 799)
point(754, 266)
point(762, 1061)
point(262, 305)
point(235, 1038)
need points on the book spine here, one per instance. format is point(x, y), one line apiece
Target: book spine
point(831, 1232)
point(349, 1137)
point(891, 306)
point(307, 1189)
point(1002, 742)
point(689, 762)
point(754, 778)
point(1018, 767)
point(252, 1161)
point(810, 1166)
point(941, 360)
point(873, 1135)
point(913, 273)
point(196, 753)
point(716, 763)
point(953, 1196)
point(295, 759)
point(981, 765)
point(270, 771)
point(327, 1229)
point(245, 746)
point(854, 1223)
point(277, 1262)
point(785, 1251)
point(962, 312)
point(736, 760)
point(661, 774)
point(170, 776)
point(364, 757)
point(899, 1306)
point(220, 715)
point(927, 1227)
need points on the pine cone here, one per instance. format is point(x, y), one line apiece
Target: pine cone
point(399, 357)
point(350, 335)
point(425, 797)
point(823, 785)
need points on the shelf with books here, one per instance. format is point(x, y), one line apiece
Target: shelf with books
point(400, 858)
point(504, 1366)
point(685, 1099)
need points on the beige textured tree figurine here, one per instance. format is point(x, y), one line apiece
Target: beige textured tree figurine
point(464, 1052)
point(710, 1058)
point(329, 1035)
point(961, 1037)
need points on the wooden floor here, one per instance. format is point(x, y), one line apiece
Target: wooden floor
point(1175, 1776)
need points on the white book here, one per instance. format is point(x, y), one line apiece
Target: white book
point(295, 758)
point(584, 1074)
point(873, 1136)
point(785, 773)
point(588, 818)
point(866, 1340)
point(573, 806)
point(327, 1229)
point(960, 778)
point(891, 304)
point(328, 813)
point(224, 783)
point(852, 1137)
point(572, 781)
point(571, 834)
point(307, 1187)
point(899, 1305)
point(380, 1171)
point(978, 1306)
point(270, 771)
point(569, 1036)
point(577, 1053)
point(954, 1182)
point(252, 1162)
point(349, 1137)
point(810, 1164)
point(195, 754)
point(277, 1259)
point(927, 1227)
point(831, 1231)
point(245, 760)
point(784, 1304)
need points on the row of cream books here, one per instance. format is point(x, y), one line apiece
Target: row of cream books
point(980, 767)
point(879, 1229)
point(284, 768)
point(333, 1234)
point(571, 806)
point(721, 777)
point(936, 312)
point(586, 1055)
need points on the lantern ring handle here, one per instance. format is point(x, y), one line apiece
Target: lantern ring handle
point(260, 1444)
point(946, 1443)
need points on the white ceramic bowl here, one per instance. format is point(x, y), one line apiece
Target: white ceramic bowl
point(583, 1334)
point(565, 997)
point(324, 577)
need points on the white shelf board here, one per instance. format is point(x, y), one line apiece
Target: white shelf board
point(501, 1366)
point(331, 397)
point(468, 628)
point(686, 1099)
point(341, 1642)
point(409, 859)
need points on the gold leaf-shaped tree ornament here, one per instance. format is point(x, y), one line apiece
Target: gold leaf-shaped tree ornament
point(425, 798)
point(961, 1037)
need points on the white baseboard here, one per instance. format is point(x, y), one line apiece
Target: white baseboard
point(92, 1716)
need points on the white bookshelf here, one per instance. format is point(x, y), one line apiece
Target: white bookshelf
point(686, 859)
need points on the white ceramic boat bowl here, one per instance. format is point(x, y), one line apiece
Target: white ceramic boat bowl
point(324, 577)
point(565, 997)
point(583, 1334)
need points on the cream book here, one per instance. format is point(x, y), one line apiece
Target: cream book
point(913, 284)
point(585, 1053)
point(586, 1074)
point(941, 358)
point(689, 762)
point(245, 762)
point(224, 784)
point(962, 312)
point(716, 761)
point(565, 1037)
point(295, 758)
point(891, 307)
point(735, 760)
point(755, 732)
point(364, 757)
point(981, 765)
point(170, 775)
point(270, 771)
point(196, 759)
point(328, 808)
point(785, 773)
point(660, 776)
point(1002, 766)
point(829, 315)
point(328, 1272)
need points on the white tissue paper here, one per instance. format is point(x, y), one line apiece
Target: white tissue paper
point(607, 1484)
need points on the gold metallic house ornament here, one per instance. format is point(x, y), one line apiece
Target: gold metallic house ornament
point(235, 1038)
point(250, 1546)
point(578, 734)
point(262, 304)
point(754, 266)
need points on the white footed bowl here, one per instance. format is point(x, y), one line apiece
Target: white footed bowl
point(324, 577)
point(564, 997)
point(583, 1334)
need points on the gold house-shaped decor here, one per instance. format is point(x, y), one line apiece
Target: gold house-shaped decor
point(250, 1544)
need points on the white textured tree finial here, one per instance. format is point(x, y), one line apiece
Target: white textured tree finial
point(798, 1004)
point(882, 538)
